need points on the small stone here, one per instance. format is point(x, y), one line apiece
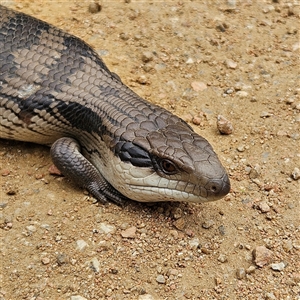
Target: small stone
point(205, 250)
point(160, 279)
point(77, 297)
point(58, 238)
point(240, 273)
point(160, 67)
point(45, 260)
point(292, 30)
point(145, 297)
point(61, 259)
point(262, 256)
point(278, 266)
point(289, 100)
point(3, 204)
point(231, 3)
point(31, 229)
point(242, 94)
point(282, 133)
point(221, 26)
point(94, 7)
point(142, 79)
point(54, 171)
point(9, 224)
point(147, 67)
point(230, 64)
point(296, 174)
point(124, 36)
point(46, 226)
point(253, 173)
point(218, 280)
point(95, 265)
point(251, 270)
point(177, 213)
point(241, 148)
point(264, 207)
point(229, 91)
point(224, 126)
point(194, 243)
point(296, 46)
point(270, 296)
point(189, 232)
point(296, 246)
point(129, 232)
point(81, 245)
point(173, 272)
point(39, 176)
point(208, 224)
point(222, 230)
point(296, 277)
point(287, 245)
point(189, 61)
point(291, 11)
point(114, 271)
point(268, 8)
point(222, 258)
point(265, 114)
point(104, 246)
point(198, 86)
point(147, 56)
point(106, 228)
point(5, 172)
point(197, 120)
point(179, 224)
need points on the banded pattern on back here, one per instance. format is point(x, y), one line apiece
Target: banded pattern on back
point(54, 85)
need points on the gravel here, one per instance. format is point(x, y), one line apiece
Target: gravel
point(246, 60)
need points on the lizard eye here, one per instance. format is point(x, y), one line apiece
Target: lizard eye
point(168, 167)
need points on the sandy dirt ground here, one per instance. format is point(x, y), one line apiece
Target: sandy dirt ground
point(198, 59)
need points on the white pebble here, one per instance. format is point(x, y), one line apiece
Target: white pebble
point(146, 297)
point(264, 207)
point(160, 279)
point(106, 228)
point(77, 297)
point(230, 64)
point(95, 264)
point(30, 229)
point(129, 232)
point(296, 46)
point(242, 94)
point(194, 243)
point(198, 86)
point(81, 245)
point(222, 258)
point(147, 56)
point(296, 174)
point(142, 79)
point(278, 267)
point(189, 61)
point(270, 296)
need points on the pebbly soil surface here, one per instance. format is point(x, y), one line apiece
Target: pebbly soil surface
point(198, 59)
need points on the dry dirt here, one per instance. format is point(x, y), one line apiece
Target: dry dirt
point(236, 58)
